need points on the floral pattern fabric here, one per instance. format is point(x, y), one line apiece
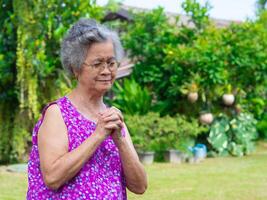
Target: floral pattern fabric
point(101, 177)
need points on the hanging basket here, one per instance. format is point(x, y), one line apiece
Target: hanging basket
point(206, 118)
point(228, 99)
point(192, 97)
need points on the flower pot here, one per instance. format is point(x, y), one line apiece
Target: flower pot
point(192, 97)
point(206, 118)
point(173, 156)
point(146, 158)
point(228, 99)
point(190, 160)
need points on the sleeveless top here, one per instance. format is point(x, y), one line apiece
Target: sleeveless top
point(100, 178)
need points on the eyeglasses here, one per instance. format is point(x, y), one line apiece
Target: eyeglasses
point(100, 65)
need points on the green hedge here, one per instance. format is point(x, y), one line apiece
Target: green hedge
point(151, 132)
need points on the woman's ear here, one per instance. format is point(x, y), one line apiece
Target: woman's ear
point(76, 74)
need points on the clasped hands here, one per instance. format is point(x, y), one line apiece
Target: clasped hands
point(110, 122)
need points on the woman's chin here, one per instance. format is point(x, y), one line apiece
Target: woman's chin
point(104, 87)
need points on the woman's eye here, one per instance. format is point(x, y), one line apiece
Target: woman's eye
point(98, 64)
point(111, 64)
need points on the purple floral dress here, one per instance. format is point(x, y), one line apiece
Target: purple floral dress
point(101, 177)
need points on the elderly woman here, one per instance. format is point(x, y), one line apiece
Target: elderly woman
point(82, 148)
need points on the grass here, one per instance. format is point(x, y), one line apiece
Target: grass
point(226, 178)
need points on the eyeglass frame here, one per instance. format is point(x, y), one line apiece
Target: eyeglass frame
point(102, 66)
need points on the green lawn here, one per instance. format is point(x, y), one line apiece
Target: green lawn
point(214, 179)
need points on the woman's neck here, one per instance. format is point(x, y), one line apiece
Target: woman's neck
point(89, 103)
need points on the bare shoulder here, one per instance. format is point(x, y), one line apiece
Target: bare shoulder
point(53, 111)
point(53, 115)
point(53, 130)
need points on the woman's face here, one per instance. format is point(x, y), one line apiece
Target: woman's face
point(95, 75)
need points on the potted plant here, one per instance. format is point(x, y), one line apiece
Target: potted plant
point(191, 88)
point(228, 97)
point(205, 117)
point(145, 153)
point(143, 131)
point(173, 156)
point(146, 157)
point(180, 135)
point(166, 132)
point(192, 95)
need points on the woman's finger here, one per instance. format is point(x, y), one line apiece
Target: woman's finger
point(106, 113)
point(114, 125)
point(112, 117)
point(118, 112)
point(111, 111)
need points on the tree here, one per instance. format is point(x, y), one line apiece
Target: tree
point(30, 70)
point(261, 5)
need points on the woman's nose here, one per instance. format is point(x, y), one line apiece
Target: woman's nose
point(105, 70)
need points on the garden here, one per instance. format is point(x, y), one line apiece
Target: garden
point(193, 84)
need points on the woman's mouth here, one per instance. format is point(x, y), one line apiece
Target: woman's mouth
point(104, 80)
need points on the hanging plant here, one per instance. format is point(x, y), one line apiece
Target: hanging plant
point(191, 88)
point(206, 118)
point(192, 95)
point(228, 97)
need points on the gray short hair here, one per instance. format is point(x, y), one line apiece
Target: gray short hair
point(80, 37)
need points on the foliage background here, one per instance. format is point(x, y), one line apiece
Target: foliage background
point(30, 71)
point(168, 59)
point(172, 61)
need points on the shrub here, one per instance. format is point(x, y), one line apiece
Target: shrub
point(262, 126)
point(233, 135)
point(152, 132)
point(143, 130)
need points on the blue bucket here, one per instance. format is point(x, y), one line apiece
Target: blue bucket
point(199, 151)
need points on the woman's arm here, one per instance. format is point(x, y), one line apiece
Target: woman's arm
point(57, 164)
point(136, 178)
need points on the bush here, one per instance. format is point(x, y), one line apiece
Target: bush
point(262, 126)
point(143, 130)
point(233, 135)
point(152, 132)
